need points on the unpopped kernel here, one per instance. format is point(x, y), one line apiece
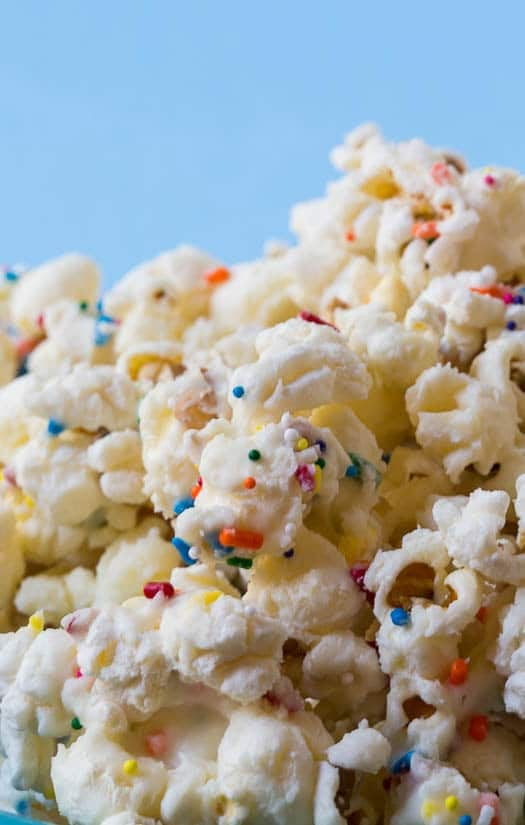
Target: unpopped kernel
point(262, 524)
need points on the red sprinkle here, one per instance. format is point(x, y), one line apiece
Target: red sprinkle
point(482, 614)
point(458, 672)
point(249, 482)
point(217, 276)
point(440, 173)
point(350, 235)
point(358, 572)
point(152, 588)
point(156, 743)
point(425, 230)
point(247, 539)
point(25, 346)
point(306, 477)
point(197, 487)
point(478, 728)
point(314, 319)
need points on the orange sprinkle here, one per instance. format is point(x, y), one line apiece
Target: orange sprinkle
point(478, 728)
point(481, 615)
point(217, 276)
point(458, 672)
point(25, 346)
point(350, 235)
point(247, 539)
point(494, 290)
point(440, 173)
point(249, 482)
point(425, 230)
point(197, 487)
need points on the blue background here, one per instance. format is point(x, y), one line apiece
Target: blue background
point(127, 127)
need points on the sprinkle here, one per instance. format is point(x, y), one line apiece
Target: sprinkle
point(76, 724)
point(306, 478)
point(183, 504)
point(399, 616)
point(156, 743)
point(425, 230)
point(105, 657)
point(78, 673)
point(458, 672)
point(197, 487)
point(489, 180)
point(101, 338)
point(9, 275)
point(22, 807)
point(350, 235)
point(130, 766)
point(247, 539)
point(352, 471)
point(440, 173)
point(28, 501)
point(302, 444)
point(194, 553)
point(36, 622)
point(238, 392)
point(289, 529)
point(511, 325)
point(24, 346)
point(321, 463)
point(493, 291)
point(466, 819)
point(289, 553)
point(217, 276)
point(402, 765)
point(517, 299)
point(314, 319)
point(358, 573)
point(152, 588)
point(451, 803)
point(55, 427)
point(235, 561)
point(211, 596)
point(290, 436)
point(83, 306)
point(507, 297)
point(321, 444)
point(249, 482)
point(318, 478)
point(183, 549)
point(386, 458)
point(254, 455)
point(482, 614)
point(428, 809)
point(478, 728)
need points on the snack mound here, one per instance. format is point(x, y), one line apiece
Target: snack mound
point(262, 526)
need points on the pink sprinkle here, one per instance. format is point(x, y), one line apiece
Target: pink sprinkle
point(156, 743)
point(78, 673)
point(490, 180)
point(507, 297)
point(358, 573)
point(314, 319)
point(306, 477)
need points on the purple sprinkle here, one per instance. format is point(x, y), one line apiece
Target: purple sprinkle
point(518, 299)
point(322, 445)
point(289, 553)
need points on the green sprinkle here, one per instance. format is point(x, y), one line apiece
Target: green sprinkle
point(254, 455)
point(321, 463)
point(76, 724)
point(83, 306)
point(236, 561)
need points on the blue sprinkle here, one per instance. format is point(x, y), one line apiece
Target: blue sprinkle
point(518, 299)
point(11, 276)
point(289, 553)
point(352, 471)
point(105, 319)
point(238, 392)
point(22, 368)
point(55, 427)
point(402, 765)
point(511, 325)
point(466, 819)
point(22, 807)
point(183, 549)
point(399, 616)
point(102, 338)
point(99, 306)
point(183, 504)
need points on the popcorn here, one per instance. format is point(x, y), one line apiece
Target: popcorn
point(261, 524)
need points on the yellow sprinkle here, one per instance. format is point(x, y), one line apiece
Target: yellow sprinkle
point(28, 501)
point(451, 803)
point(318, 477)
point(211, 596)
point(1, 476)
point(105, 657)
point(428, 809)
point(419, 325)
point(130, 766)
point(301, 444)
point(258, 427)
point(36, 622)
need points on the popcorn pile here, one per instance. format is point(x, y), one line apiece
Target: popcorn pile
point(262, 526)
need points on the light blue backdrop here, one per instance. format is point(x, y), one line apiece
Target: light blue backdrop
point(129, 126)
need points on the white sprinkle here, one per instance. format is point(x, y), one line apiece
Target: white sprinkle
point(194, 553)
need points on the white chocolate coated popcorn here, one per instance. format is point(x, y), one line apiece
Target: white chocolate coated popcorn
point(262, 523)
